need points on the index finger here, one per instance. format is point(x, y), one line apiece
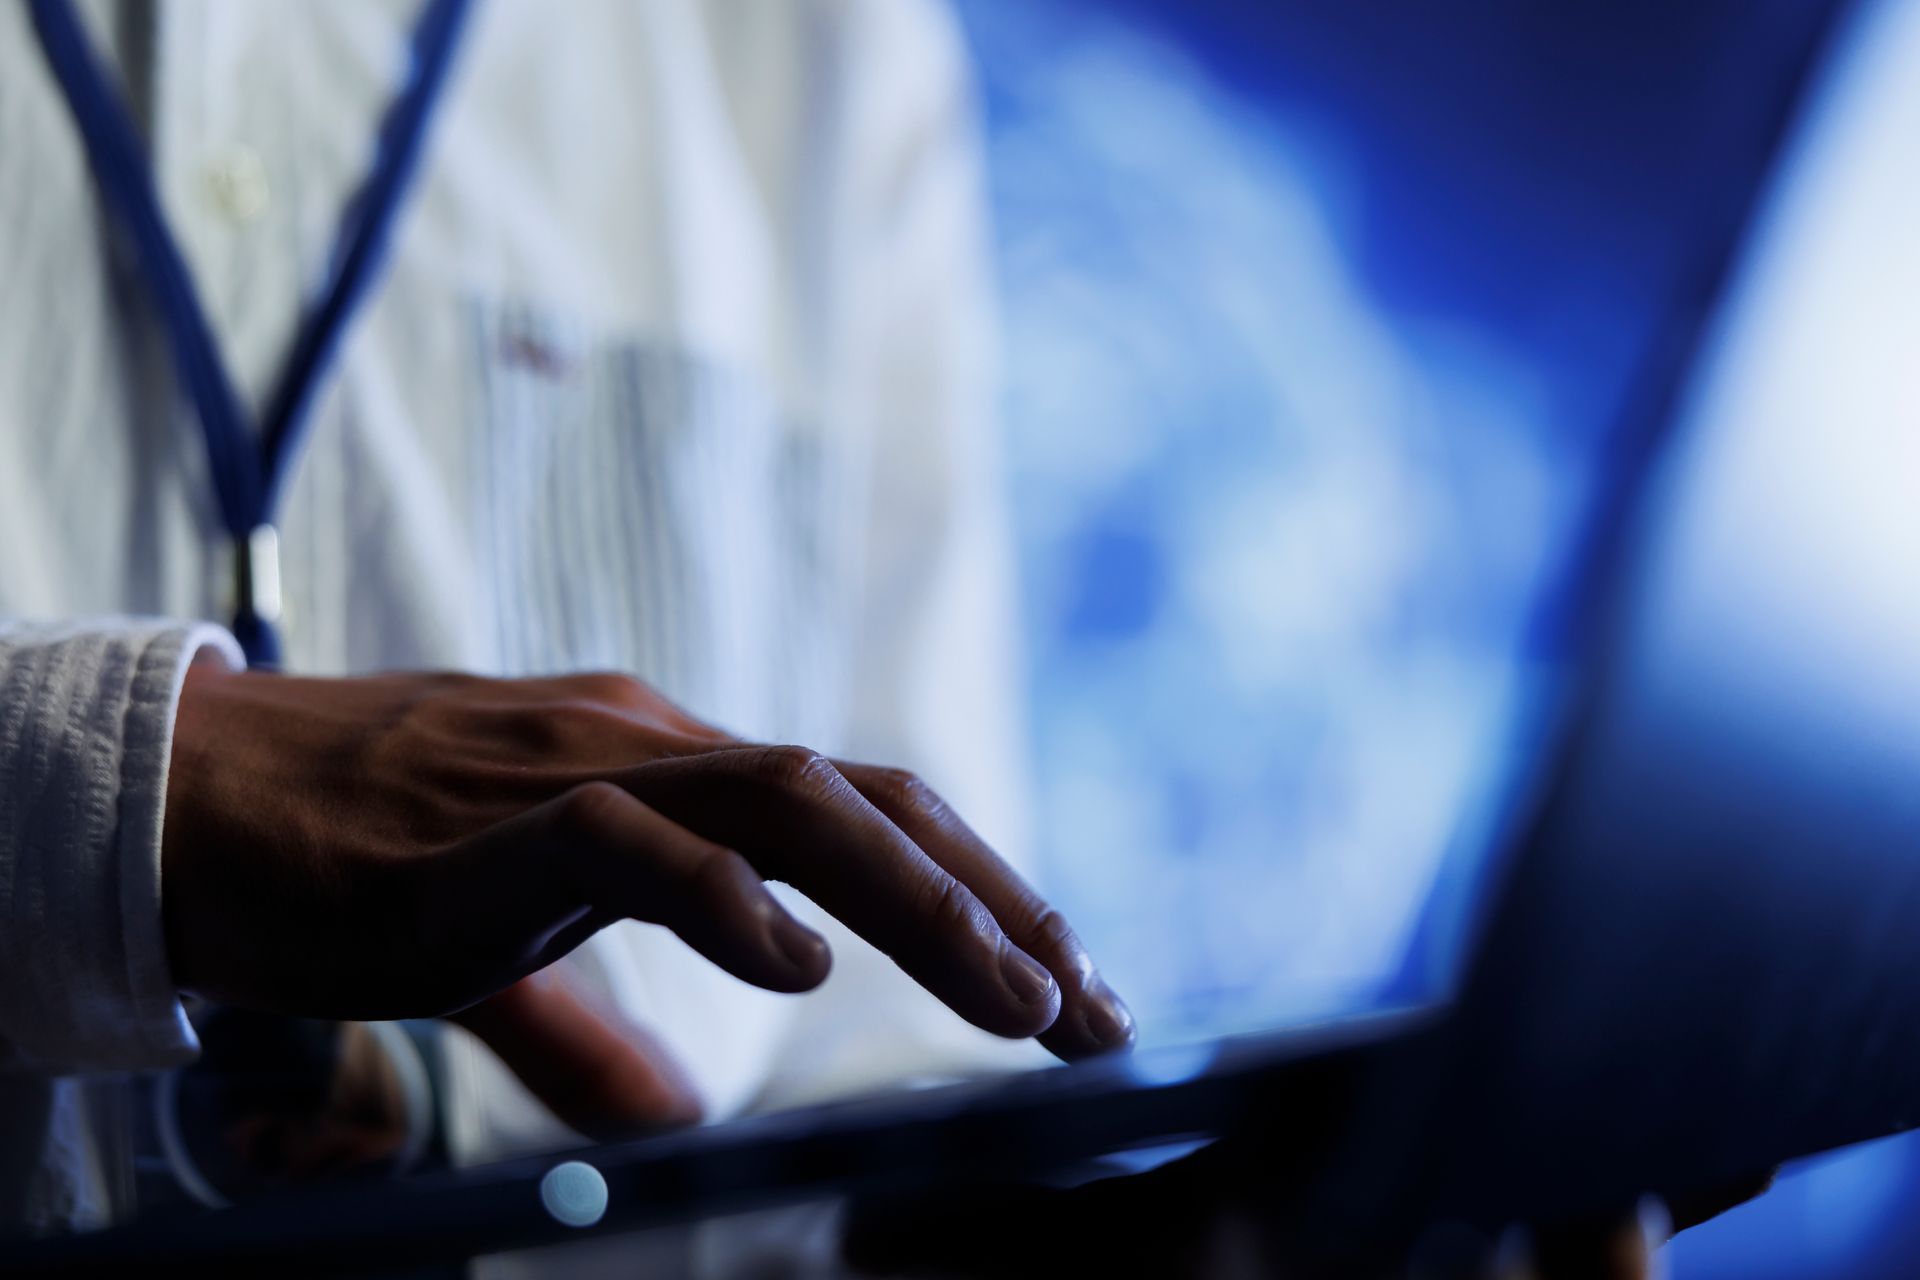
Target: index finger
point(789, 811)
point(1092, 1018)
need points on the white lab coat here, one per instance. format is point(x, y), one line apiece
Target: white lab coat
point(682, 367)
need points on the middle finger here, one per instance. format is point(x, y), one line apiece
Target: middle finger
point(1092, 1018)
point(792, 814)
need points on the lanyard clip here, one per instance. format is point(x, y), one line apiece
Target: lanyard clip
point(256, 574)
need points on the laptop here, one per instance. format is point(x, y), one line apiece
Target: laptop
point(1679, 943)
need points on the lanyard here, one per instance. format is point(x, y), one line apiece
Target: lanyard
point(249, 464)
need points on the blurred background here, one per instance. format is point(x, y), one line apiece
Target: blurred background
point(1326, 325)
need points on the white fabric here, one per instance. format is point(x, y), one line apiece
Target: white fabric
point(682, 368)
point(86, 717)
point(86, 721)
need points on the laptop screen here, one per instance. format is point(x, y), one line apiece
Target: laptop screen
point(1334, 348)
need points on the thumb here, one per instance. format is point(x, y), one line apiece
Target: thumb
point(599, 1072)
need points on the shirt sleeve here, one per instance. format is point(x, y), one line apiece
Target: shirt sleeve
point(86, 732)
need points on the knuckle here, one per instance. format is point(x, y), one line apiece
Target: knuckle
point(717, 877)
point(616, 688)
point(799, 769)
point(903, 788)
point(592, 810)
point(1050, 932)
point(950, 908)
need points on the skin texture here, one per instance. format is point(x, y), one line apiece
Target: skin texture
point(421, 845)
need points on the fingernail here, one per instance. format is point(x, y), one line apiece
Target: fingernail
point(1029, 983)
point(1108, 1019)
point(804, 949)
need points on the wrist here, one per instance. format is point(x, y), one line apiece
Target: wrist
point(190, 760)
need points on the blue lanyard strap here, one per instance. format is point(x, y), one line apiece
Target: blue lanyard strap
point(248, 467)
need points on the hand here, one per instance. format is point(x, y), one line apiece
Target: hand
point(407, 845)
point(600, 1073)
point(275, 1101)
